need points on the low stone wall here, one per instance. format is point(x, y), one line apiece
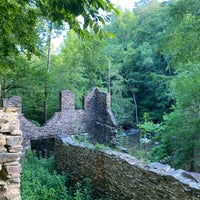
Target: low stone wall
point(123, 177)
point(10, 149)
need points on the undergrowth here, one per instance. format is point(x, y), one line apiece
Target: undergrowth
point(40, 181)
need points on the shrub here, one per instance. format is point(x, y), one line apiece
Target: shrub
point(40, 181)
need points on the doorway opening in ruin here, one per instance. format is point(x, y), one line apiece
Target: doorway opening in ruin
point(43, 147)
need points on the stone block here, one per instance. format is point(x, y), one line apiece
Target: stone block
point(3, 121)
point(8, 157)
point(13, 169)
point(13, 192)
point(3, 150)
point(4, 126)
point(10, 148)
point(16, 133)
point(12, 109)
point(2, 140)
point(14, 179)
point(13, 141)
point(12, 163)
point(15, 149)
point(3, 186)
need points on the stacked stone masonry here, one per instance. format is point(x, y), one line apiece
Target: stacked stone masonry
point(123, 177)
point(95, 118)
point(10, 150)
point(114, 174)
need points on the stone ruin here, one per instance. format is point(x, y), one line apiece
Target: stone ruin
point(116, 174)
point(16, 132)
point(10, 150)
point(95, 119)
point(123, 177)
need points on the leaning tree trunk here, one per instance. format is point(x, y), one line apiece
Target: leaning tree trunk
point(135, 108)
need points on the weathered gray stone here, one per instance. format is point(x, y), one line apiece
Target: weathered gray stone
point(13, 170)
point(4, 126)
point(8, 157)
point(3, 121)
point(16, 133)
point(13, 104)
point(160, 167)
point(192, 175)
point(13, 141)
point(14, 149)
point(96, 118)
point(10, 150)
point(118, 175)
point(2, 140)
point(13, 192)
point(123, 177)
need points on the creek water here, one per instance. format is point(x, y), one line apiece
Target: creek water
point(129, 142)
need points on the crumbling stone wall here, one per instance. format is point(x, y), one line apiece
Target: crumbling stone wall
point(10, 149)
point(96, 118)
point(123, 177)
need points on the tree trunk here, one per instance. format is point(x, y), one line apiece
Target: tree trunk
point(48, 70)
point(135, 108)
point(109, 75)
point(4, 90)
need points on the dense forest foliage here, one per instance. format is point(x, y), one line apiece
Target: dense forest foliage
point(148, 58)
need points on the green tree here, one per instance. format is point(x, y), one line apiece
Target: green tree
point(18, 35)
point(148, 73)
point(80, 66)
point(27, 80)
point(183, 37)
point(18, 29)
point(180, 142)
point(138, 72)
point(57, 12)
point(119, 51)
point(22, 33)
